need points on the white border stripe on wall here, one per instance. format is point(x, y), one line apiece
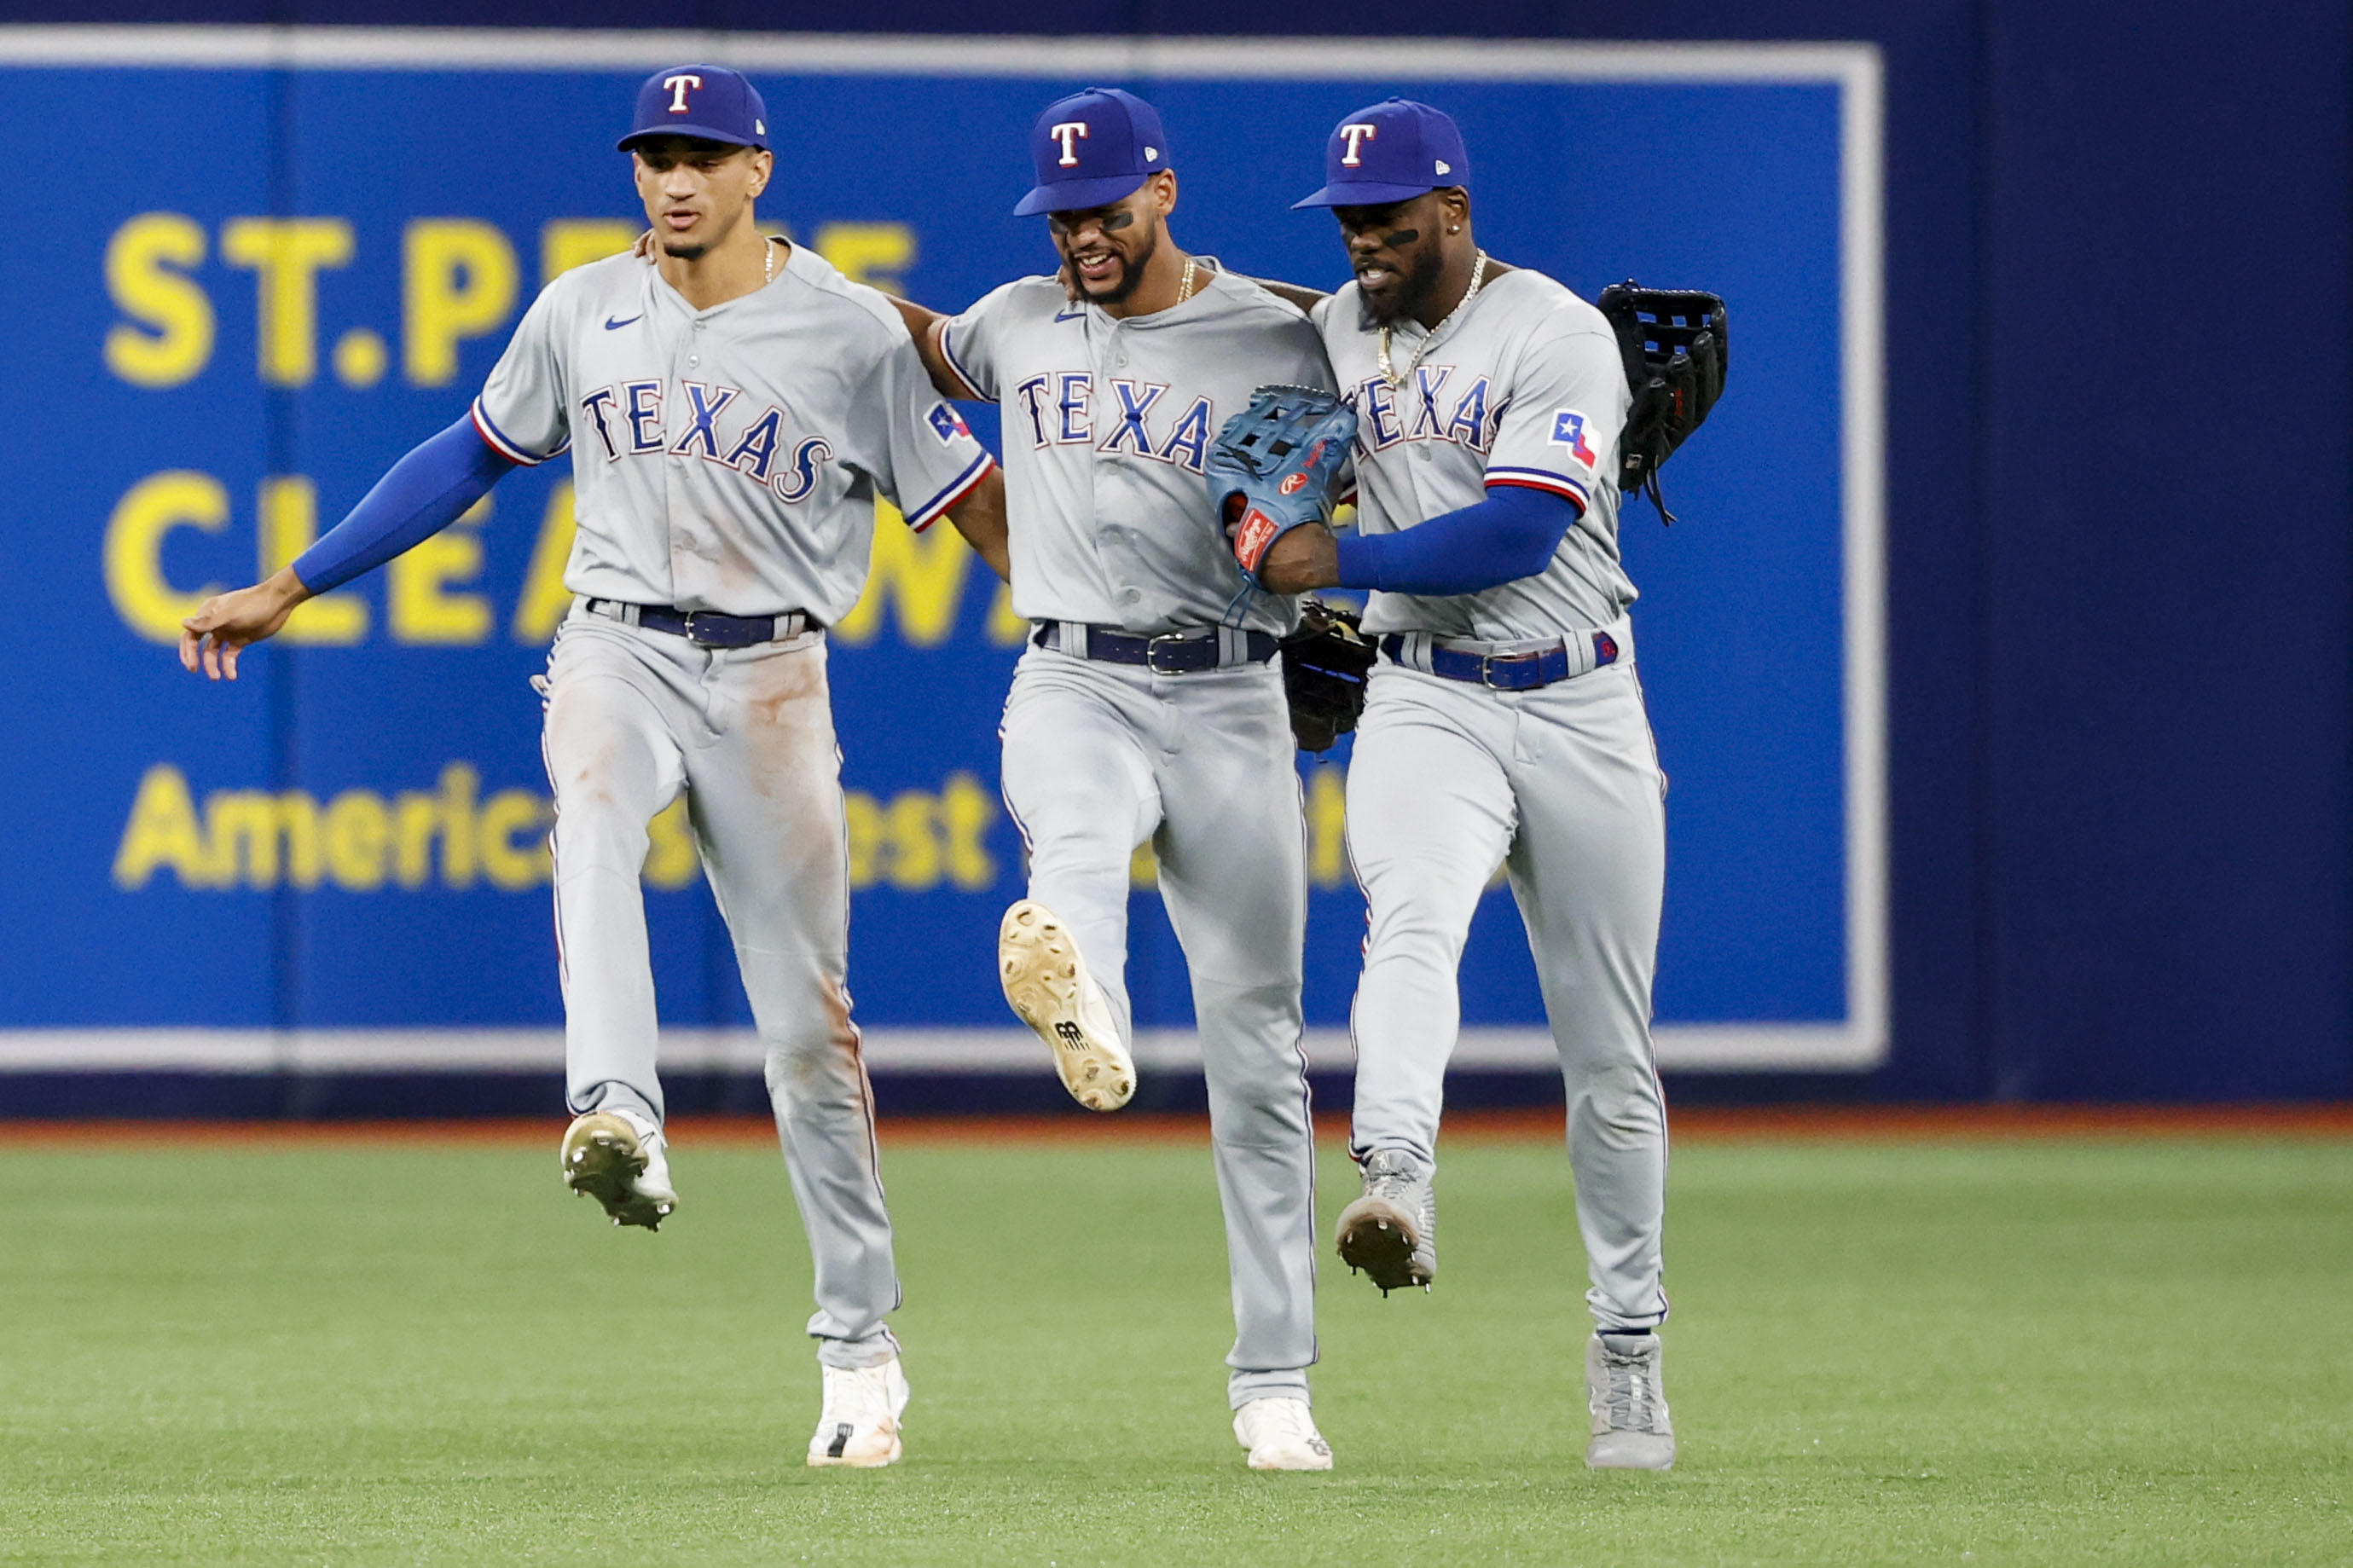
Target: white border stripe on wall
point(1857, 1045)
point(989, 1051)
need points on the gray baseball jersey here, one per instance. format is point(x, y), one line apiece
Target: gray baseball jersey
point(720, 465)
point(1107, 424)
point(1524, 386)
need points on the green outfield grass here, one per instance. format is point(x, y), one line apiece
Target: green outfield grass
point(2084, 1351)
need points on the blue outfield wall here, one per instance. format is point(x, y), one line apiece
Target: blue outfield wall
point(354, 827)
point(2117, 773)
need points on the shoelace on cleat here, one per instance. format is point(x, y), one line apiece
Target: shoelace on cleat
point(1402, 1189)
point(1629, 1397)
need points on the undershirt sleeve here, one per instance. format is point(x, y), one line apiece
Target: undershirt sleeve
point(1511, 534)
point(422, 494)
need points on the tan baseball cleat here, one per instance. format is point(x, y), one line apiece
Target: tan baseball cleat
point(1048, 986)
point(618, 1158)
point(858, 1427)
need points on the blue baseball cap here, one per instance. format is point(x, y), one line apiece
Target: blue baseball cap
point(707, 101)
point(1393, 150)
point(1091, 148)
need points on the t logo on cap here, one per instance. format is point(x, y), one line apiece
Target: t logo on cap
point(1090, 149)
point(724, 108)
point(1392, 152)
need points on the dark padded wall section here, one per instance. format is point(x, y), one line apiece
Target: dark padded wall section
point(2121, 599)
point(2165, 549)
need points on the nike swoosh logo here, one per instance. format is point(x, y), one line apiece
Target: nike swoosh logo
point(1070, 315)
point(613, 326)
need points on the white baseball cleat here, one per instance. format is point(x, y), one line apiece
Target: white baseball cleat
point(1630, 1430)
point(618, 1158)
point(858, 1427)
point(1281, 1436)
point(1046, 985)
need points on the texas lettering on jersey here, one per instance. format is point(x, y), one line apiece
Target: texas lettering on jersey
point(1060, 409)
point(628, 418)
point(1441, 405)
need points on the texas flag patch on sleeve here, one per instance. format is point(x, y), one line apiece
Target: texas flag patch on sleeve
point(947, 423)
point(1568, 430)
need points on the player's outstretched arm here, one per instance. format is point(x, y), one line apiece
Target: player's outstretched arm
point(422, 494)
point(980, 518)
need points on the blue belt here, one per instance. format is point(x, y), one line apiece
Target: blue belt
point(704, 628)
point(1506, 671)
point(1171, 653)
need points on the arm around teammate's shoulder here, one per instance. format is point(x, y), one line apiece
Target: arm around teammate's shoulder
point(418, 497)
point(924, 326)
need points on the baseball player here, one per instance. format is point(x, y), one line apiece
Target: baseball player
point(734, 405)
point(1145, 706)
point(1505, 723)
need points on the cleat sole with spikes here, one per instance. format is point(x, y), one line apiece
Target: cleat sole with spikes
point(1378, 1239)
point(602, 1158)
point(1046, 985)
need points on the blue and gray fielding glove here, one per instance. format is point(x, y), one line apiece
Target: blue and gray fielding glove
point(1276, 466)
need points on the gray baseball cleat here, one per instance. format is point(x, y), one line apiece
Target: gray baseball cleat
point(619, 1158)
point(1391, 1232)
point(1630, 1430)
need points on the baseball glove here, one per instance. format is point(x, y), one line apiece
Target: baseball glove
point(1325, 665)
point(1673, 341)
point(1276, 467)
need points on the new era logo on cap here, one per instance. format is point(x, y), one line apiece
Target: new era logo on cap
point(1092, 148)
point(1393, 150)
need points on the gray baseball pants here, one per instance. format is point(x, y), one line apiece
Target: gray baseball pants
point(634, 718)
point(1100, 757)
point(1561, 787)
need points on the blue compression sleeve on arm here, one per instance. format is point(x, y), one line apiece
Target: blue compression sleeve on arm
point(1511, 534)
point(424, 493)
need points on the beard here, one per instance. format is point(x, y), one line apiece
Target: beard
point(1131, 273)
point(686, 252)
point(1415, 287)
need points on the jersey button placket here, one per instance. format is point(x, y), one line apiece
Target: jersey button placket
point(682, 538)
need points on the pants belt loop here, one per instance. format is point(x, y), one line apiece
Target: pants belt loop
point(1416, 651)
point(1233, 647)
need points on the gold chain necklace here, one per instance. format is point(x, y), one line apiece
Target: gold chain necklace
point(767, 261)
point(1396, 378)
point(1184, 284)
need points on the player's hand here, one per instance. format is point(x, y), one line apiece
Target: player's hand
point(225, 623)
point(1306, 557)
